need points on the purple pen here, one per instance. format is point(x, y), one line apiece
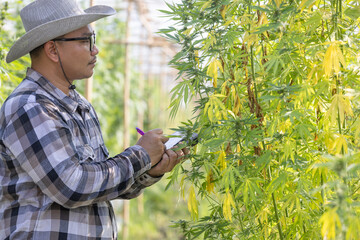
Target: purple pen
point(140, 131)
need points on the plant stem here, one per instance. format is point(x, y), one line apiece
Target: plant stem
point(277, 216)
point(253, 71)
point(335, 20)
point(261, 226)
point(339, 124)
point(322, 189)
point(275, 208)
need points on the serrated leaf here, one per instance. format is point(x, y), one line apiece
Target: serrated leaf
point(340, 144)
point(214, 142)
point(333, 58)
point(340, 106)
point(221, 161)
point(306, 4)
point(212, 70)
point(329, 222)
point(263, 160)
point(353, 12)
point(227, 204)
point(278, 183)
point(210, 185)
point(192, 204)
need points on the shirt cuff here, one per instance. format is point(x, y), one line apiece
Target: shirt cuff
point(147, 180)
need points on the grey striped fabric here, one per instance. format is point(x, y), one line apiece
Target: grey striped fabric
point(56, 179)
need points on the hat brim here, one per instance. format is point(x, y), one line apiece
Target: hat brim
point(45, 32)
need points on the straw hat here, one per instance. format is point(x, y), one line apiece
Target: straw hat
point(44, 20)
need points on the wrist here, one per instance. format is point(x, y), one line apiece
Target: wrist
point(154, 174)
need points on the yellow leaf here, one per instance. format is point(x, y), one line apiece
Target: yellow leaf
point(215, 109)
point(340, 144)
point(223, 11)
point(182, 187)
point(236, 101)
point(228, 202)
point(206, 5)
point(278, 2)
point(218, 63)
point(228, 22)
point(192, 204)
point(328, 139)
point(285, 126)
point(289, 148)
point(353, 228)
point(187, 31)
point(210, 41)
point(329, 221)
point(332, 59)
point(250, 39)
point(233, 92)
point(318, 170)
point(315, 74)
point(211, 115)
point(212, 70)
point(225, 89)
point(262, 216)
point(340, 105)
point(303, 4)
point(221, 161)
point(263, 19)
point(356, 129)
point(210, 182)
point(197, 57)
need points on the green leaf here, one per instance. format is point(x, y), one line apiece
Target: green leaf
point(214, 143)
point(278, 183)
point(262, 161)
point(268, 27)
point(353, 12)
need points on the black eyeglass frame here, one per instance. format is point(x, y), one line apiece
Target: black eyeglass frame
point(91, 38)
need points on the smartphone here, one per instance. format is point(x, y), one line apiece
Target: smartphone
point(178, 137)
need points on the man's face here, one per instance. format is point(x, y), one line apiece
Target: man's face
point(77, 59)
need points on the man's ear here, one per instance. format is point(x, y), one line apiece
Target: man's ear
point(51, 51)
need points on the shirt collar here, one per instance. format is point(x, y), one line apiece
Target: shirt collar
point(71, 102)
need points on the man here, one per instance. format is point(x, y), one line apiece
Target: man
point(55, 173)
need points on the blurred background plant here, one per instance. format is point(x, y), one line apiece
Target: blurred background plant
point(151, 214)
point(10, 74)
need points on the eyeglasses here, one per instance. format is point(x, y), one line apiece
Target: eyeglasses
point(90, 38)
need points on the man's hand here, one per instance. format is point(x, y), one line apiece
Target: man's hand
point(168, 161)
point(153, 142)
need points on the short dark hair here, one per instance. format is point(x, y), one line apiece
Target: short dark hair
point(36, 52)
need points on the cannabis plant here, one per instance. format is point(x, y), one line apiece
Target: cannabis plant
point(276, 91)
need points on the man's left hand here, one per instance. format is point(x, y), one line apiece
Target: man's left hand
point(168, 161)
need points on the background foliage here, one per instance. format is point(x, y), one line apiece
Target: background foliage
point(150, 218)
point(10, 74)
point(277, 90)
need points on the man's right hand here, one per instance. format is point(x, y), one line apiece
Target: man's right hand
point(153, 142)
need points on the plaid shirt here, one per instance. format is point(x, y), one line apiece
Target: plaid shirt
point(56, 179)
